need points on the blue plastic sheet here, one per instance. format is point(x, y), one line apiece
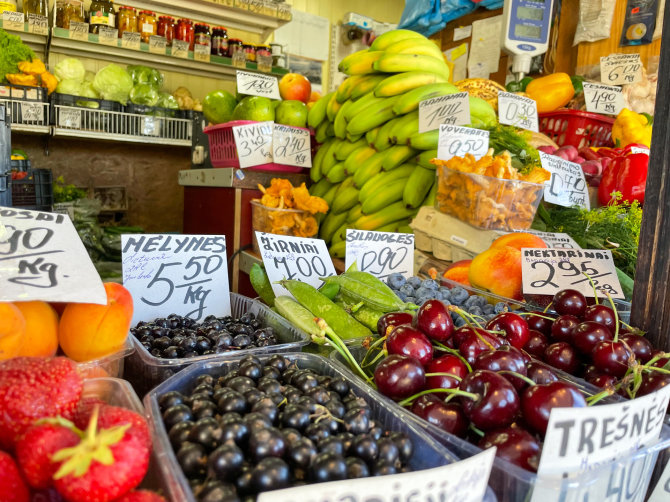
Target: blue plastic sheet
point(430, 16)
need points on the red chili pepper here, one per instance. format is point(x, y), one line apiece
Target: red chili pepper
point(626, 174)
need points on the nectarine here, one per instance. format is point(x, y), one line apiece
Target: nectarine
point(41, 338)
point(519, 240)
point(458, 271)
point(295, 86)
point(12, 330)
point(498, 270)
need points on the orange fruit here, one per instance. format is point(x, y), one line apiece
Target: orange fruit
point(12, 330)
point(41, 329)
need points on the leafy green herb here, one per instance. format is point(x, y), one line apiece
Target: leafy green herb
point(12, 52)
point(506, 138)
point(66, 193)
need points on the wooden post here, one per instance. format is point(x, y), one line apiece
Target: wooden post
point(651, 295)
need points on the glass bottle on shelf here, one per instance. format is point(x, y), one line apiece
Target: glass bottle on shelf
point(37, 7)
point(127, 20)
point(147, 24)
point(101, 13)
point(68, 11)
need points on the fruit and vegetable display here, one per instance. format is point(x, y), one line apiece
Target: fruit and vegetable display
point(20, 66)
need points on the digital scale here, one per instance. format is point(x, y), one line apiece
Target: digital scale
point(525, 31)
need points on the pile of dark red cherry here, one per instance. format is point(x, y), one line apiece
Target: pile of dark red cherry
point(497, 384)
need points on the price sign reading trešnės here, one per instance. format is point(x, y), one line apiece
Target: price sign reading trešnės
point(43, 258)
point(619, 69)
point(567, 186)
point(254, 143)
point(380, 253)
point(606, 99)
point(517, 111)
point(291, 146)
point(299, 258)
point(452, 109)
point(180, 274)
point(256, 84)
point(456, 141)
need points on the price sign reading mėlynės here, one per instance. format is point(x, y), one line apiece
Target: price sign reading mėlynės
point(380, 253)
point(181, 274)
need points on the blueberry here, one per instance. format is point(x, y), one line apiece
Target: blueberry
point(422, 299)
point(430, 284)
point(500, 307)
point(415, 282)
point(476, 310)
point(487, 309)
point(395, 281)
point(410, 299)
point(470, 302)
point(424, 292)
point(458, 295)
point(459, 321)
point(445, 292)
point(407, 289)
point(481, 301)
point(401, 295)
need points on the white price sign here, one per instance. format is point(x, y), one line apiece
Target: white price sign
point(150, 126)
point(298, 258)
point(605, 99)
point(453, 109)
point(131, 40)
point(619, 69)
point(256, 84)
point(567, 185)
point(32, 112)
point(70, 119)
point(181, 274)
point(108, 36)
point(157, 45)
point(380, 253)
point(456, 141)
point(517, 111)
point(254, 143)
point(12, 20)
point(464, 481)
point(548, 271)
point(180, 49)
point(202, 52)
point(38, 24)
point(554, 239)
point(43, 258)
point(291, 146)
point(79, 31)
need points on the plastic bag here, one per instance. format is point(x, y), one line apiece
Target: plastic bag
point(430, 16)
point(595, 20)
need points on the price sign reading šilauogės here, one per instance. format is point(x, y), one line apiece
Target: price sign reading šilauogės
point(548, 271)
point(181, 274)
point(567, 186)
point(452, 109)
point(456, 141)
point(554, 239)
point(299, 258)
point(254, 143)
point(291, 146)
point(605, 99)
point(380, 253)
point(256, 84)
point(517, 111)
point(43, 258)
point(619, 69)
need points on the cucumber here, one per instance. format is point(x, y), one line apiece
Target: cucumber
point(369, 295)
point(261, 284)
point(299, 316)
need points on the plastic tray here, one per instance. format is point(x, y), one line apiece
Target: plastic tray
point(145, 371)
point(514, 484)
point(427, 452)
point(108, 366)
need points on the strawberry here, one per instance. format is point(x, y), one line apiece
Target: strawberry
point(50, 495)
point(141, 496)
point(38, 444)
point(82, 415)
point(109, 416)
point(32, 388)
point(14, 489)
point(106, 464)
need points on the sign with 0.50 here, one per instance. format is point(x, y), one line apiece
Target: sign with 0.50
point(456, 141)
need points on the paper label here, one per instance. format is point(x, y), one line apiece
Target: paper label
point(517, 111)
point(452, 109)
point(456, 141)
point(284, 11)
point(380, 253)
point(464, 481)
point(108, 36)
point(38, 24)
point(157, 45)
point(43, 258)
point(181, 274)
point(548, 271)
point(256, 84)
point(567, 186)
point(291, 146)
point(150, 126)
point(554, 239)
point(202, 52)
point(661, 492)
point(462, 32)
point(297, 258)
point(637, 149)
point(32, 112)
point(131, 40)
point(180, 49)
point(254, 143)
point(69, 118)
point(13, 20)
point(602, 98)
point(79, 31)
point(619, 69)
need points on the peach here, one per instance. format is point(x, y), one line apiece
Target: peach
point(12, 330)
point(498, 270)
point(519, 240)
point(41, 329)
point(294, 86)
point(89, 331)
point(458, 272)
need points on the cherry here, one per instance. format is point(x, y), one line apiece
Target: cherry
point(561, 330)
point(461, 334)
point(538, 401)
point(611, 358)
point(539, 322)
point(478, 341)
point(587, 334)
point(448, 363)
point(434, 320)
point(540, 373)
point(601, 314)
point(653, 381)
point(449, 417)
point(392, 319)
point(603, 381)
point(421, 403)
point(408, 341)
point(640, 346)
point(514, 326)
point(569, 302)
point(563, 356)
point(536, 344)
point(505, 358)
point(497, 403)
point(514, 444)
point(399, 376)
point(660, 363)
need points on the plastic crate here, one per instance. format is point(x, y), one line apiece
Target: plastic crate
point(577, 128)
point(35, 191)
point(145, 371)
point(154, 111)
point(427, 452)
point(223, 152)
point(23, 92)
point(84, 102)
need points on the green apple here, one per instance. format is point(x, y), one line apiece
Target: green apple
point(254, 108)
point(292, 113)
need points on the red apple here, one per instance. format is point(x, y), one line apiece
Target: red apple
point(295, 86)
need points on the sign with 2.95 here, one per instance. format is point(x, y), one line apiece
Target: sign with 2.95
point(380, 253)
point(548, 271)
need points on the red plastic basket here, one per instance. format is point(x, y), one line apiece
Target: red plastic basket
point(577, 128)
point(223, 152)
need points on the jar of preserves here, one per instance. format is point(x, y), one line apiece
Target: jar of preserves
point(101, 13)
point(166, 28)
point(219, 41)
point(184, 32)
point(202, 35)
point(7, 5)
point(250, 51)
point(147, 23)
point(37, 7)
point(68, 11)
point(234, 44)
point(263, 50)
point(127, 20)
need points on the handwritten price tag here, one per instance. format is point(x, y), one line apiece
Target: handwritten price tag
point(256, 84)
point(43, 258)
point(79, 31)
point(619, 69)
point(38, 24)
point(555, 239)
point(547, 271)
point(254, 143)
point(70, 119)
point(12, 20)
point(157, 45)
point(567, 186)
point(299, 258)
point(108, 36)
point(150, 126)
point(32, 112)
point(380, 253)
point(180, 49)
point(453, 109)
point(604, 99)
point(291, 146)
point(456, 141)
point(131, 40)
point(517, 111)
point(202, 52)
point(181, 274)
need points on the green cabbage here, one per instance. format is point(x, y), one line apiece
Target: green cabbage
point(69, 86)
point(144, 94)
point(168, 101)
point(113, 83)
point(70, 69)
point(88, 91)
point(145, 75)
point(89, 76)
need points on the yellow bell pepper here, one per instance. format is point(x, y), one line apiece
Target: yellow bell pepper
point(630, 127)
point(36, 67)
point(49, 81)
point(21, 79)
point(551, 92)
